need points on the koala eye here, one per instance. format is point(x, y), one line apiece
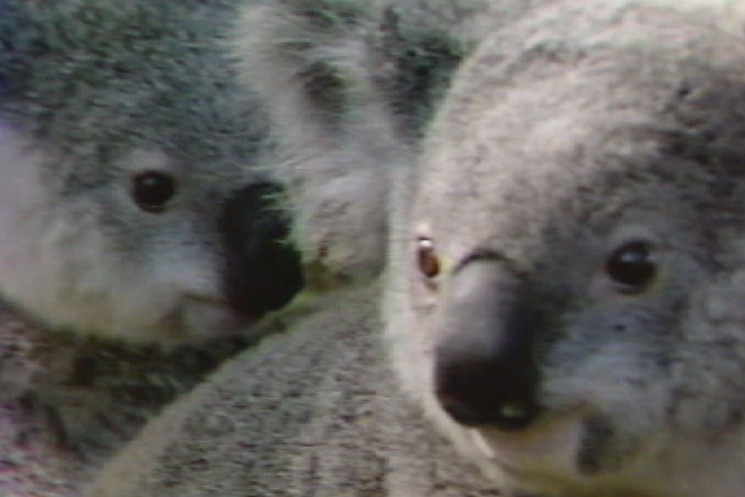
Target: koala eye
point(426, 257)
point(632, 267)
point(151, 190)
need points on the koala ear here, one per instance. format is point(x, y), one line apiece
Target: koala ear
point(419, 57)
point(305, 59)
point(348, 86)
point(325, 66)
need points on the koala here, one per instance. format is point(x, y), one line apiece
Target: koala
point(132, 200)
point(564, 303)
point(137, 209)
point(560, 308)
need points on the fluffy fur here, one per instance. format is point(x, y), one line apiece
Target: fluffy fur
point(568, 135)
point(67, 402)
point(330, 421)
point(94, 96)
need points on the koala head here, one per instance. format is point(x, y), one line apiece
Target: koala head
point(567, 295)
point(131, 204)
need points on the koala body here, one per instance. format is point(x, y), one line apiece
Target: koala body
point(561, 305)
point(326, 418)
point(131, 201)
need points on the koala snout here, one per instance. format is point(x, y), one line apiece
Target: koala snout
point(484, 370)
point(263, 269)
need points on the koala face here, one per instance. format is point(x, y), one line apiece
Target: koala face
point(130, 194)
point(570, 277)
point(142, 245)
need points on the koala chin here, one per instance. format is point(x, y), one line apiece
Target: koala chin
point(132, 204)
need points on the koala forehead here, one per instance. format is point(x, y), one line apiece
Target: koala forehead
point(564, 133)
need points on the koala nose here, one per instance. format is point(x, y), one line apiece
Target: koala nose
point(263, 270)
point(484, 368)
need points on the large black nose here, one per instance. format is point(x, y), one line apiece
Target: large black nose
point(485, 373)
point(263, 269)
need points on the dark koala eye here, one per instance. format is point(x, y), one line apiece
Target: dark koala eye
point(631, 266)
point(151, 190)
point(426, 257)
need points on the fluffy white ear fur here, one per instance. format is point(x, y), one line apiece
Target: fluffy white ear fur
point(349, 87)
point(311, 63)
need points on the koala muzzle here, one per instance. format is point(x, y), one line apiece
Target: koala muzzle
point(263, 270)
point(484, 369)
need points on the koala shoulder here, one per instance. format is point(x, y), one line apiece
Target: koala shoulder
point(256, 423)
point(313, 410)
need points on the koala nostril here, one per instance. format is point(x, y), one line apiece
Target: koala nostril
point(508, 417)
point(263, 270)
point(486, 394)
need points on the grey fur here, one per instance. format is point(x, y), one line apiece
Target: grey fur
point(94, 93)
point(67, 401)
point(580, 127)
point(310, 426)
